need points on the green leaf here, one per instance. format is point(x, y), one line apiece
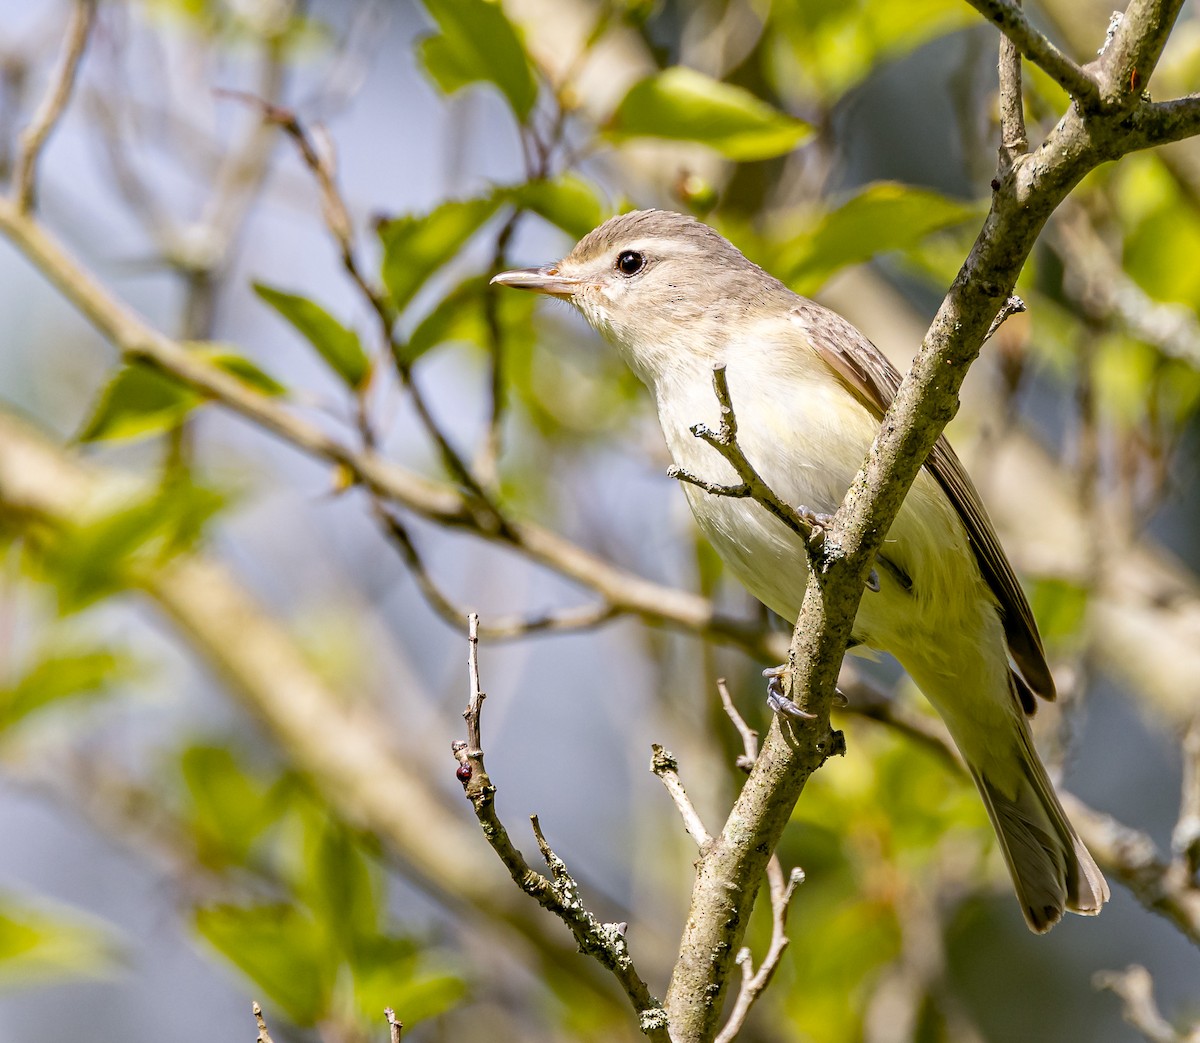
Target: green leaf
point(340, 887)
point(280, 949)
point(883, 216)
point(237, 365)
point(684, 105)
point(568, 201)
point(461, 316)
point(336, 344)
point(1059, 606)
point(414, 247)
point(44, 944)
point(61, 674)
point(139, 401)
point(394, 972)
point(478, 44)
point(93, 557)
point(230, 809)
point(823, 49)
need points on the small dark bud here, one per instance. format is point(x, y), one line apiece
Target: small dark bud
point(995, 184)
point(463, 774)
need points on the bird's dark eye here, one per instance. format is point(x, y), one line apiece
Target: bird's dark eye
point(630, 262)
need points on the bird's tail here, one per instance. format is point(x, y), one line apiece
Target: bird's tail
point(1051, 869)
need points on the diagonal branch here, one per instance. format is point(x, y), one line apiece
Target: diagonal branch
point(558, 893)
point(1008, 17)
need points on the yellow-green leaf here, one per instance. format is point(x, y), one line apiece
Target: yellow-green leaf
point(684, 105)
point(336, 344)
point(476, 43)
point(416, 246)
point(568, 201)
point(138, 402)
point(882, 216)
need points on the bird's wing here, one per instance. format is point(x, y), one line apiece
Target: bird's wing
point(874, 381)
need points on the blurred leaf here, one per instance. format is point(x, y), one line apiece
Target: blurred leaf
point(43, 944)
point(882, 216)
point(336, 344)
point(477, 43)
point(414, 247)
point(91, 558)
point(819, 50)
point(249, 373)
point(280, 949)
point(229, 809)
point(681, 104)
point(340, 887)
point(138, 401)
point(61, 673)
point(461, 316)
point(567, 201)
point(394, 972)
point(1059, 606)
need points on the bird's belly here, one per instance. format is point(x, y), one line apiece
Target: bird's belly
point(808, 451)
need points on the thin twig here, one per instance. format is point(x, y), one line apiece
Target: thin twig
point(54, 102)
point(604, 942)
point(585, 617)
point(395, 1028)
point(724, 440)
point(264, 1035)
point(666, 767)
point(754, 982)
point(1012, 306)
point(1008, 17)
point(1014, 141)
point(1135, 988)
point(337, 219)
point(749, 754)
point(1185, 839)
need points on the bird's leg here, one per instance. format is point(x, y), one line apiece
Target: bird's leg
point(777, 701)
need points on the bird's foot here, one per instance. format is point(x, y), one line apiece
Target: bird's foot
point(780, 703)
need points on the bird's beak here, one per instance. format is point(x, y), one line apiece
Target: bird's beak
point(547, 279)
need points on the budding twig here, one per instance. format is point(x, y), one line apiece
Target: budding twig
point(604, 942)
point(666, 767)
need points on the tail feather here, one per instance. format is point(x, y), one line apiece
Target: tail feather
point(1051, 869)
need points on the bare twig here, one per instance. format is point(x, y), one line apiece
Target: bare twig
point(264, 1035)
point(1014, 141)
point(560, 895)
point(1130, 856)
point(395, 1028)
point(1135, 988)
point(666, 767)
point(54, 102)
point(755, 981)
point(505, 628)
point(1185, 839)
point(749, 736)
point(1012, 305)
point(1008, 17)
point(724, 440)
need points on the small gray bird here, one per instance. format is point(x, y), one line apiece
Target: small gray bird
point(809, 391)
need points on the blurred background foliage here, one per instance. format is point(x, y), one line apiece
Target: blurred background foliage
point(172, 852)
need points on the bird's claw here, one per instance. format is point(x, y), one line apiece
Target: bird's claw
point(780, 703)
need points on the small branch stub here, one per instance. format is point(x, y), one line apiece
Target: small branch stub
point(264, 1035)
point(395, 1028)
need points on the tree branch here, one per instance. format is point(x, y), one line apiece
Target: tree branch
point(727, 875)
point(558, 894)
point(58, 93)
point(1008, 17)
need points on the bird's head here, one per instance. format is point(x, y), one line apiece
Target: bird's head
point(656, 283)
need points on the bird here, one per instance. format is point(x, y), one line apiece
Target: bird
point(809, 390)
